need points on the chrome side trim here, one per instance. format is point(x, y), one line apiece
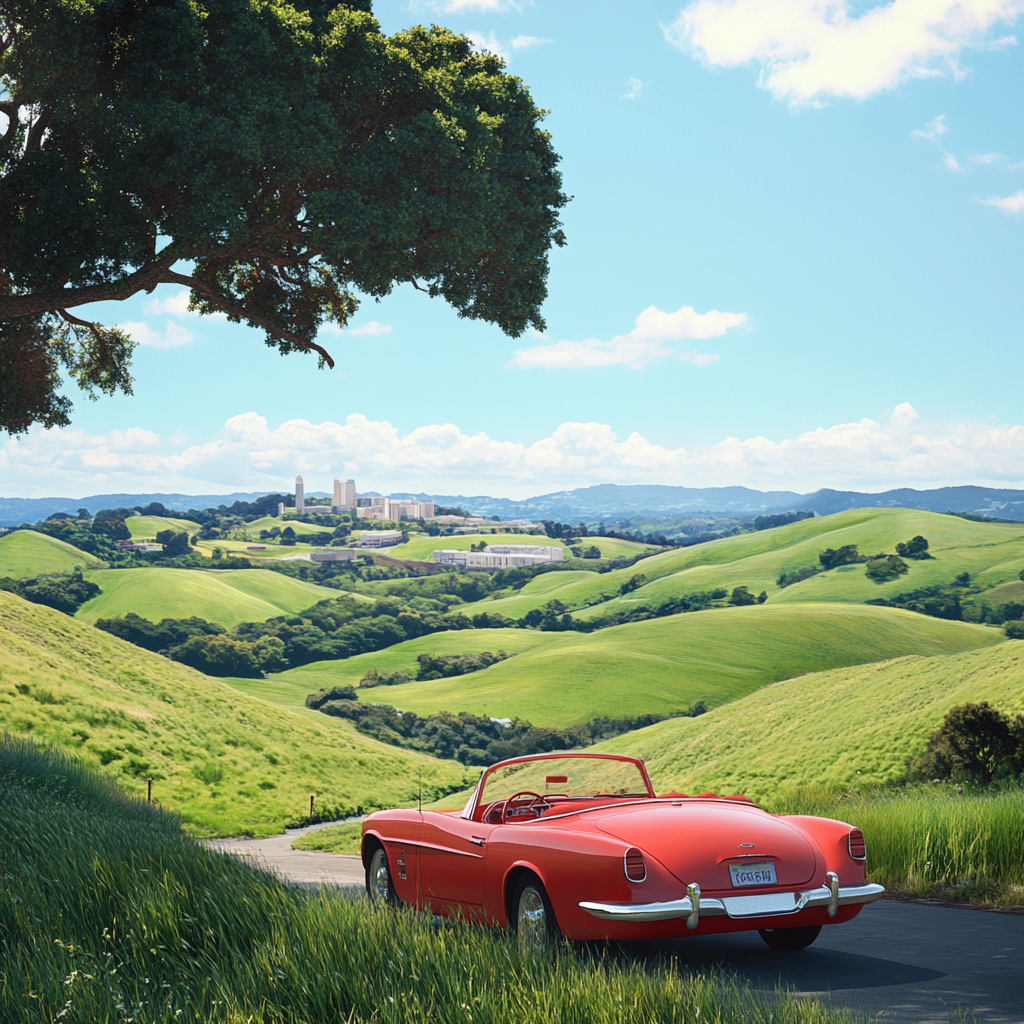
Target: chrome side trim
point(772, 904)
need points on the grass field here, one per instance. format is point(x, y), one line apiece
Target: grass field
point(991, 553)
point(110, 915)
point(923, 840)
point(26, 553)
point(229, 763)
point(660, 665)
point(420, 547)
point(217, 595)
point(840, 728)
point(145, 528)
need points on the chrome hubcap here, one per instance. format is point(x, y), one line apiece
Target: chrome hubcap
point(532, 921)
point(380, 878)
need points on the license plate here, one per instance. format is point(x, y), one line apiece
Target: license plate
point(761, 872)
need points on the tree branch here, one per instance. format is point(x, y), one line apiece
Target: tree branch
point(215, 298)
point(65, 315)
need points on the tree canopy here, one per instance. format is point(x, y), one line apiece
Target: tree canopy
point(277, 160)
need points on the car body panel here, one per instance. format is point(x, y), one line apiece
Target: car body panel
point(455, 864)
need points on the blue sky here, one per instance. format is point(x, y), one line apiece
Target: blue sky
point(794, 259)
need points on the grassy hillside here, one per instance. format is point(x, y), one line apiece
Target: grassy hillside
point(26, 553)
point(145, 528)
point(659, 665)
point(217, 595)
point(991, 553)
point(228, 762)
point(843, 727)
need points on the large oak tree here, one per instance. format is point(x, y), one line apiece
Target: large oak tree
point(274, 158)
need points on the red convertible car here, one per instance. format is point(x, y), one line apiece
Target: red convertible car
point(580, 845)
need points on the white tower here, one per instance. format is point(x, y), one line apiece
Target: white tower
point(336, 500)
point(300, 495)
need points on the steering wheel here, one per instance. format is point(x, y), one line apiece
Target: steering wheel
point(500, 812)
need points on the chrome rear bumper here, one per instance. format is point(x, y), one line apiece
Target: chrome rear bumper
point(693, 906)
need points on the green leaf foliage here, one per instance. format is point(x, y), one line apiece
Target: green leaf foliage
point(291, 156)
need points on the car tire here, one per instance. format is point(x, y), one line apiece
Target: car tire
point(380, 887)
point(532, 918)
point(788, 940)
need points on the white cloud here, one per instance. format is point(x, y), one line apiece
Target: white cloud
point(985, 158)
point(643, 345)
point(173, 335)
point(894, 451)
point(528, 42)
point(176, 303)
point(633, 89)
point(950, 162)
point(488, 44)
point(807, 50)
point(374, 327)
point(1008, 204)
point(932, 130)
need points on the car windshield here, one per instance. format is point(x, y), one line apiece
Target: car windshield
point(566, 777)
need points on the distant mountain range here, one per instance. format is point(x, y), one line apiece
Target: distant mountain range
point(601, 502)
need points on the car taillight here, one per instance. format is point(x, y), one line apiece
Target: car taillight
point(636, 869)
point(858, 851)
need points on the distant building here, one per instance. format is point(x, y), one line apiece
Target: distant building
point(459, 520)
point(344, 495)
point(380, 538)
point(501, 556)
point(128, 545)
point(300, 496)
point(335, 554)
point(280, 508)
point(377, 506)
point(256, 547)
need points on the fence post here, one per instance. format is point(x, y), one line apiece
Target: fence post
point(149, 791)
point(311, 795)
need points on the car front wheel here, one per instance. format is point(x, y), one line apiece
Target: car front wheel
point(789, 939)
point(379, 886)
point(532, 916)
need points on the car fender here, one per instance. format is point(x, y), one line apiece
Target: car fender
point(832, 838)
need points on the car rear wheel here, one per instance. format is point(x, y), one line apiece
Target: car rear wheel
point(532, 916)
point(379, 886)
point(789, 939)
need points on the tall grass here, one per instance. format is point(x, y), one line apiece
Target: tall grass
point(112, 914)
point(933, 838)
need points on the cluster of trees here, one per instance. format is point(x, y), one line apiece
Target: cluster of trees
point(880, 568)
point(958, 602)
point(883, 568)
point(975, 743)
point(158, 636)
point(742, 596)
point(444, 666)
point(916, 548)
point(469, 738)
point(590, 551)
point(65, 591)
point(791, 576)
point(780, 519)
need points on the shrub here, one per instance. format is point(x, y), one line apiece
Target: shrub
point(175, 542)
point(884, 568)
point(375, 678)
point(917, 547)
point(317, 700)
point(742, 595)
point(633, 583)
point(791, 576)
point(830, 558)
point(444, 666)
point(975, 742)
point(1014, 630)
point(65, 591)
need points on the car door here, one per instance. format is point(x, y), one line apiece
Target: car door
point(451, 864)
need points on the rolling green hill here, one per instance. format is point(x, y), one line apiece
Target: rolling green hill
point(217, 595)
point(228, 762)
point(992, 553)
point(843, 727)
point(659, 665)
point(26, 553)
point(145, 528)
point(269, 522)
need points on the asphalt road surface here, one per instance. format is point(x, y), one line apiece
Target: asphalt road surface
point(920, 964)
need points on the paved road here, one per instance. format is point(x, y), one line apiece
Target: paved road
point(917, 963)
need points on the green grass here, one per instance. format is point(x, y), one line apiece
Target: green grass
point(1005, 593)
point(145, 528)
point(839, 728)
point(26, 553)
point(659, 665)
point(930, 840)
point(228, 762)
point(345, 838)
point(217, 595)
point(111, 915)
point(269, 522)
point(991, 553)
